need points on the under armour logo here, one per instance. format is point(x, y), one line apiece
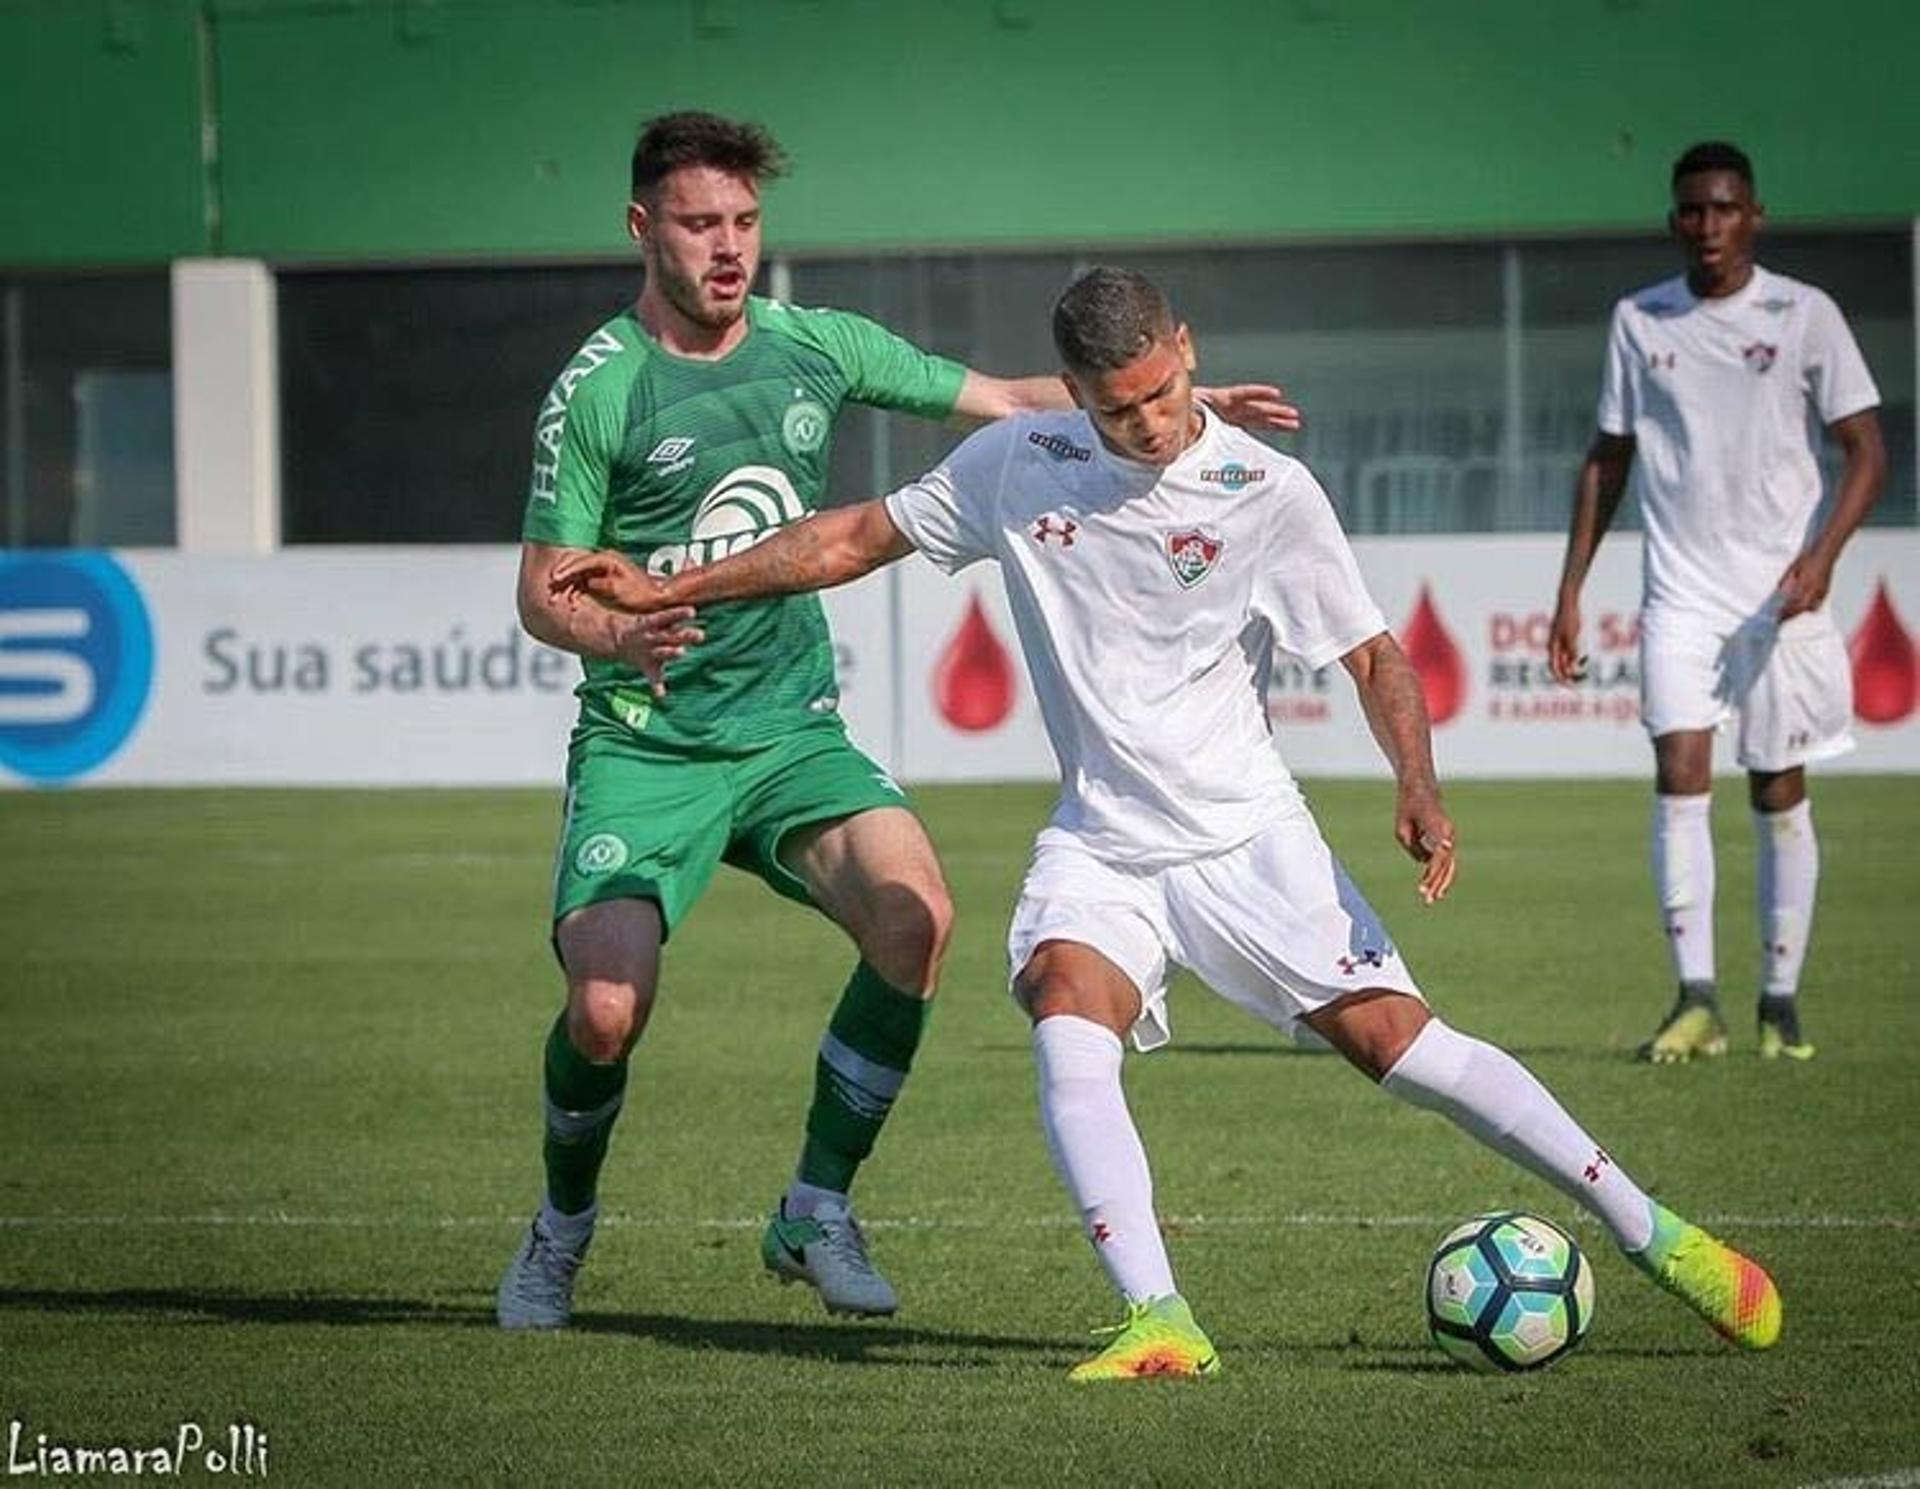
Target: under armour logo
point(1101, 1235)
point(1600, 1161)
point(1349, 965)
point(1044, 529)
point(1661, 359)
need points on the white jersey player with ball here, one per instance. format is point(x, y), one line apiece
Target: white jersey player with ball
point(1153, 559)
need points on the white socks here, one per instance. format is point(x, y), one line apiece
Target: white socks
point(1789, 875)
point(1683, 876)
point(1495, 1098)
point(1097, 1152)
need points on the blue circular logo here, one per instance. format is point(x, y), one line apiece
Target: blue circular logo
point(76, 662)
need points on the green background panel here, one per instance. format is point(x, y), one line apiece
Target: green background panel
point(100, 126)
point(493, 128)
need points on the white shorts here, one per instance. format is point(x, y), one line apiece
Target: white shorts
point(1789, 686)
point(1274, 925)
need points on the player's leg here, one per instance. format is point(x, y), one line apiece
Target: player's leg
point(1796, 705)
point(611, 953)
point(1279, 928)
point(1090, 966)
point(638, 844)
point(1488, 1094)
point(875, 874)
point(1683, 879)
point(1786, 883)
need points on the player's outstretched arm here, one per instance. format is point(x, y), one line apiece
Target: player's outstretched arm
point(1396, 711)
point(819, 552)
point(1596, 497)
point(566, 619)
point(1808, 578)
point(983, 399)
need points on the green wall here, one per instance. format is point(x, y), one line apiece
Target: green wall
point(383, 129)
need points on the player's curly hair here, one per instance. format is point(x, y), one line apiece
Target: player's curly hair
point(1714, 155)
point(671, 142)
point(1108, 318)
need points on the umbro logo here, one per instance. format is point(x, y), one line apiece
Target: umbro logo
point(673, 454)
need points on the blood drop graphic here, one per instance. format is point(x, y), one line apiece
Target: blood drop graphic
point(973, 680)
point(1884, 669)
point(1443, 676)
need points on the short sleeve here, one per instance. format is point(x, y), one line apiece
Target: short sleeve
point(951, 514)
point(1310, 589)
point(885, 370)
point(575, 439)
point(1617, 411)
point(1838, 382)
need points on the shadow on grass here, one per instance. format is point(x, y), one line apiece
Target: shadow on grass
point(851, 1342)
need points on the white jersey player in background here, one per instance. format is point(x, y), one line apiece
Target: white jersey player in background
point(1713, 380)
point(1153, 557)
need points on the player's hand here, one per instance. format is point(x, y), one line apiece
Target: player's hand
point(1804, 586)
point(1252, 406)
point(1565, 660)
point(1423, 828)
point(613, 579)
point(648, 642)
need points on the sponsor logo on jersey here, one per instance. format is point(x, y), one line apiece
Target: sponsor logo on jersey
point(1234, 476)
point(550, 428)
point(1192, 555)
point(803, 428)
point(632, 709)
point(603, 853)
point(1062, 530)
point(744, 506)
point(76, 662)
point(1059, 446)
point(1759, 356)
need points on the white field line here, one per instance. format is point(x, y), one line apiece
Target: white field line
point(1297, 1221)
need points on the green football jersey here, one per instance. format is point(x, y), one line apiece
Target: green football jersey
point(677, 462)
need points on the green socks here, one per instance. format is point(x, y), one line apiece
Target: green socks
point(582, 1101)
point(864, 1058)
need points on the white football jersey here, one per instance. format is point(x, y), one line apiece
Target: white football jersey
point(1147, 601)
point(1726, 400)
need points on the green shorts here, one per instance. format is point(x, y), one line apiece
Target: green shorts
point(642, 823)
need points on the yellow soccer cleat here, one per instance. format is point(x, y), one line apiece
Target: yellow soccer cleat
point(1159, 1337)
point(1780, 1036)
point(1693, 1031)
point(1733, 1293)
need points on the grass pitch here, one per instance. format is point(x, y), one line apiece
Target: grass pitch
point(268, 1084)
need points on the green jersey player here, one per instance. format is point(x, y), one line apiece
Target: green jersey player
point(685, 429)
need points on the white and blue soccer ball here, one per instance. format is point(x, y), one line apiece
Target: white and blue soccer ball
point(1508, 1291)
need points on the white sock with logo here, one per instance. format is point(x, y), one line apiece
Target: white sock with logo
point(1096, 1150)
point(1789, 876)
point(1683, 876)
point(1491, 1095)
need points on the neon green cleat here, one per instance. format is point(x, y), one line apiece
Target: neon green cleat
point(1780, 1036)
point(1693, 1031)
point(1159, 1337)
point(1733, 1293)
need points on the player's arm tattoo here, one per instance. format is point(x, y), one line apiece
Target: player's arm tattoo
point(828, 548)
point(1396, 710)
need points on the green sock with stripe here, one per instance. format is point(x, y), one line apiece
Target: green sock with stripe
point(864, 1058)
point(583, 1099)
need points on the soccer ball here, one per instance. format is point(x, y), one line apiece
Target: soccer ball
point(1508, 1291)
